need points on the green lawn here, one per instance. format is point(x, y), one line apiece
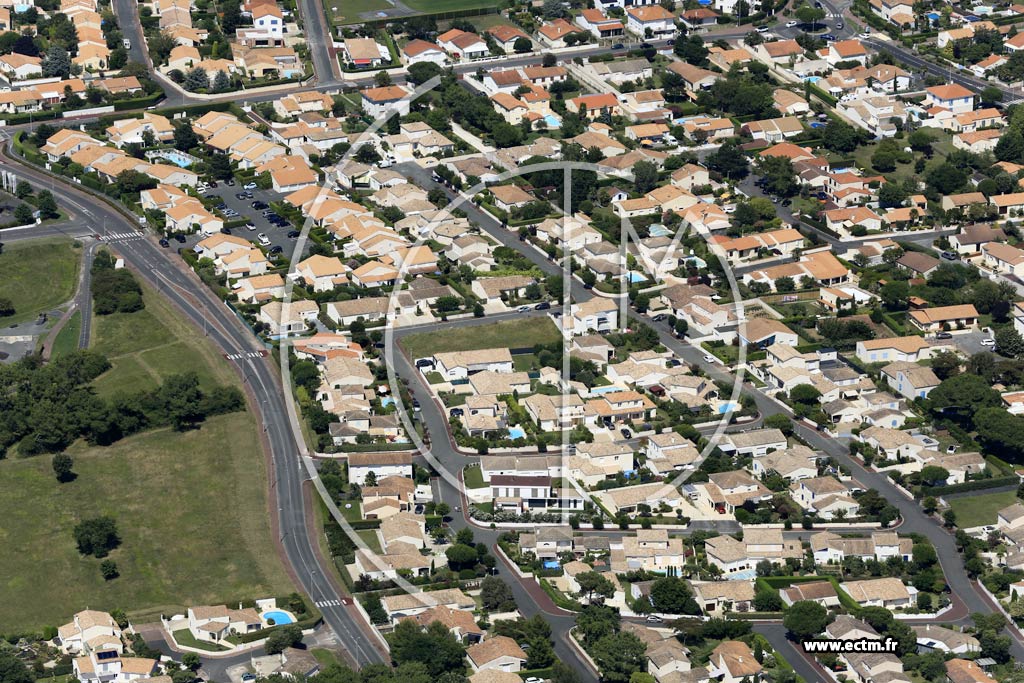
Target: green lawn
point(511, 333)
point(146, 346)
point(474, 478)
point(979, 510)
point(349, 12)
point(325, 657)
point(67, 338)
point(371, 539)
point(185, 637)
point(438, 6)
point(38, 276)
point(191, 508)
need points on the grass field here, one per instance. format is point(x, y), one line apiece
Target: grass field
point(146, 346)
point(325, 657)
point(979, 510)
point(185, 637)
point(67, 338)
point(351, 11)
point(511, 333)
point(38, 276)
point(473, 478)
point(190, 507)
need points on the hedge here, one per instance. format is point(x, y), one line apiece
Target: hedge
point(138, 102)
point(363, 524)
point(976, 485)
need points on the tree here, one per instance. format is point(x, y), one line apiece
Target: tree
point(779, 176)
point(779, 421)
point(24, 214)
point(591, 583)
point(839, 136)
point(805, 619)
point(108, 568)
point(729, 161)
point(191, 661)
point(382, 79)
point(23, 190)
point(673, 595)
point(552, 9)
point(196, 79)
point(62, 464)
point(461, 556)
point(692, 50)
point(619, 656)
point(96, 536)
point(1010, 146)
point(221, 82)
point(421, 72)
point(946, 178)
point(56, 62)
point(12, 669)
point(282, 638)
point(185, 138)
point(991, 95)
point(1009, 342)
point(563, 673)
point(810, 15)
point(6, 307)
point(933, 475)
point(496, 595)
point(961, 396)
point(441, 509)
point(47, 205)
point(645, 176)
point(436, 647)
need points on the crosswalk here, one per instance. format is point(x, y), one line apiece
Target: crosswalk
point(244, 355)
point(329, 603)
point(122, 236)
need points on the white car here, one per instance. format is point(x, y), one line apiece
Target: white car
point(708, 358)
point(263, 239)
point(250, 226)
point(865, 34)
point(762, 29)
point(250, 186)
point(988, 342)
point(523, 309)
point(792, 24)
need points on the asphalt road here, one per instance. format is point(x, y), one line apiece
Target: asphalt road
point(164, 271)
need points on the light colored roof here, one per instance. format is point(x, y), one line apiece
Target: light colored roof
point(494, 648)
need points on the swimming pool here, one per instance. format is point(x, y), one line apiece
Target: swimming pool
point(597, 391)
point(728, 407)
point(175, 158)
point(817, 124)
point(635, 277)
point(552, 121)
point(387, 401)
point(277, 617)
point(516, 432)
point(745, 575)
point(551, 564)
point(659, 230)
point(812, 79)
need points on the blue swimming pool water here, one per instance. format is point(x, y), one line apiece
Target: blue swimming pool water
point(516, 432)
point(817, 124)
point(278, 617)
point(812, 79)
point(387, 401)
point(728, 407)
point(604, 390)
point(636, 277)
point(659, 230)
point(552, 121)
point(745, 575)
point(177, 159)
point(934, 16)
point(551, 564)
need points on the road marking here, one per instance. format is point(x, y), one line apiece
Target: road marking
point(121, 236)
point(329, 603)
point(246, 354)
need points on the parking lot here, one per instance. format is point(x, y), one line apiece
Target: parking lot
point(226, 194)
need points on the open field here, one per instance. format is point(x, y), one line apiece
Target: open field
point(146, 346)
point(979, 510)
point(190, 508)
point(351, 11)
point(510, 333)
point(38, 276)
point(439, 6)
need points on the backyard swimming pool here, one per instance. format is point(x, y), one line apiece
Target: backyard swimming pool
point(728, 407)
point(516, 432)
point(277, 617)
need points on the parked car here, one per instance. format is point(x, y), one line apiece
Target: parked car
point(212, 183)
point(225, 231)
point(830, 37)
point(258, 205)
point(424, 363)
point(654, 619)
point(263, 239)
point(250, 226)
point(658, 318)
point(164, 243)
point(949, 255)
point(542, 306)
point(762, 29)
point(523, 309)
point(943, 335)
point(988, 341)
point(456, 412)
point(250, 186)
point(276, 249)
point(210, 196)
point(292, 234)
point(626, 434)
point(618, 46)
point(792, 24)
point(708, 358)
point(230, 182)
point(952, 449)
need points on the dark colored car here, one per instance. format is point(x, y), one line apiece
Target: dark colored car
point(230, 182)
point(292, 234)
point(213, 183)
point(258, 205)
point(180, 238)
point(949, 256)
point(164, 243)
point(542, 306)
point(626, 433)
point(225, 231)
point(210, 196)
point(943, 335)
point(456, 412)
point(424, 363)
point(618, 46)
point(276, 249)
